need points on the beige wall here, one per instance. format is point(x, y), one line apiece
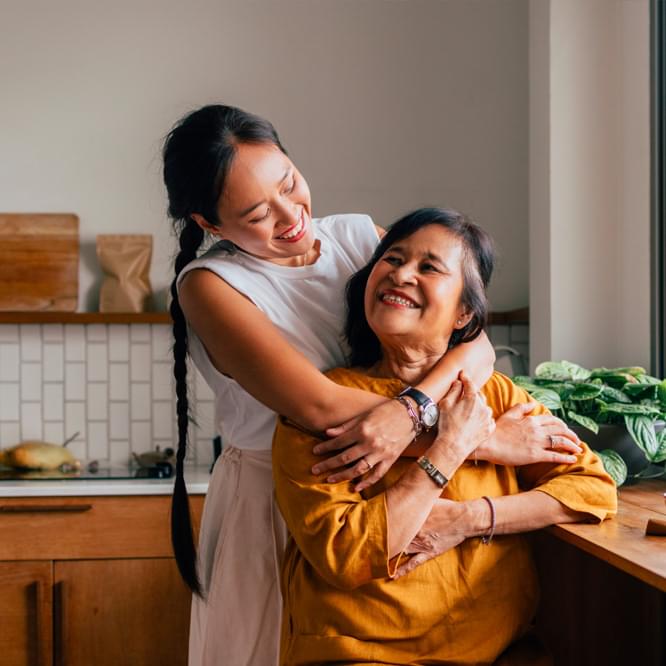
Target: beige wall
point(589, 181)
point(385, 106)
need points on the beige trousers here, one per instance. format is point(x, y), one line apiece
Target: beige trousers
point(241, 543)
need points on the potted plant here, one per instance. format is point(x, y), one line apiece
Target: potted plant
point(618, 412)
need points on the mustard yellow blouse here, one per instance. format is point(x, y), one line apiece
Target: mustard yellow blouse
point(462, 607)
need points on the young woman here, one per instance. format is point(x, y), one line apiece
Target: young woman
point(262, 311)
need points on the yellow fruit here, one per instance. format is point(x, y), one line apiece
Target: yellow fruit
point(37, 455)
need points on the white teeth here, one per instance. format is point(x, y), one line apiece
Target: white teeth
point(295, 231)
point(392, 298)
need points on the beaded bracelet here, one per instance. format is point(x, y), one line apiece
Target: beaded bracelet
point(488, 537)
point(416, 421)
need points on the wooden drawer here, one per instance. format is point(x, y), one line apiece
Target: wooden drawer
point(61, 528)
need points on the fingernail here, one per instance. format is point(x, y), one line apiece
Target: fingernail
point(331, 479)
point(571, 459)
point(315, 469)
point(316, 449)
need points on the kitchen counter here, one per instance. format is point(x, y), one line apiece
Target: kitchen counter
point(196, 478)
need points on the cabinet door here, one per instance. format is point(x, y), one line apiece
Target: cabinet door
point(131, 612)
point(26, 613)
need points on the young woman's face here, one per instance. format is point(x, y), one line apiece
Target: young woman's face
point(265, 206)
point(413, 293)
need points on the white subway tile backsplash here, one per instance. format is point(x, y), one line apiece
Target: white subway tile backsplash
point(162, 420)
point(75, 342)
point(141, 438)
point(75, 421)
point(162, 388)
point(31, 342)
point(54, 403)
point(140, 402)
point(9, 362)
point(119, 420)
point(9, 402)
point(54, 432)
point(53, 362)
point(10, 433)
point(9, 333)
point(98, 362)
point(111, 383)
point(96, 333)
point(118, 342)
point(140, 362)
point(520, 333)
point(499, 335)
point(53, 332)
point(119, 381)
point(75, 381)
point(140, 333)
point(204, 451)
point(119, 451)
point(31, 420)
point(162, 342)
point(98, 401)
point(98, 441)
point(31, 381)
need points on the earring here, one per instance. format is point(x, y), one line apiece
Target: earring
point(459, 322)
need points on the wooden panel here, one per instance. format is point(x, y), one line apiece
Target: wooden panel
point(622, 542)
point(127, 526)
point(592, 613)
point(26, 613)
point(39, 262)
point(120, 613)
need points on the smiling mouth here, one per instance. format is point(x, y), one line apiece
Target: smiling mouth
point(294, 232)
point(398, 300)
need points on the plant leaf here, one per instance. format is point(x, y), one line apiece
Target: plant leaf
point(576, 371)
point(660, 454)
point(614, 465)
point(585, 421)
point(585, 391)
point(552, 370)
point(634, 370)
point(641, 428)
point(614, 395)
point(633, 409)
point(641, 391)
point(547, 398)
point(647, 379)
point(524, 382)
point(661, 392)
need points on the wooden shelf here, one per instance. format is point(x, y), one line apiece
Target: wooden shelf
point(520, 316)
point(85, 318)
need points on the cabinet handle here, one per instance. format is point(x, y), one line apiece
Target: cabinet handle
point(45, 508)
point(40, 625)
point(59, 624)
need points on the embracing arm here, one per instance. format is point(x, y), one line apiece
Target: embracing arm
point(244, 344)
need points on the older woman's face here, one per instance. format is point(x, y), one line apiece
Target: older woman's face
point(414, 290)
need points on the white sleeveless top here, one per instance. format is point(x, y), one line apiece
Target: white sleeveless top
point(306, 304)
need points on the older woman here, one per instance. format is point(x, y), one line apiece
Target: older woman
point(351, 593)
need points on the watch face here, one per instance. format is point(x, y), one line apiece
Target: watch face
point(429, 415)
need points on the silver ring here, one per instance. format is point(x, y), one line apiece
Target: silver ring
point(550, 437)
point(368, 466)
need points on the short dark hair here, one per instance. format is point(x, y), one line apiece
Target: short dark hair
point(478, 262)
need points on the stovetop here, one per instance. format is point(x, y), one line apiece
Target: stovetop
point(161, 470)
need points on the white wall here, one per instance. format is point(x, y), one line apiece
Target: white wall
point(589, 181)
point(384, 105)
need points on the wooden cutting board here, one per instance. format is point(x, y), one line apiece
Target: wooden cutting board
point(39, 262)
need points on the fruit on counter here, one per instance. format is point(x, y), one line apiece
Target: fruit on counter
point(38, 455)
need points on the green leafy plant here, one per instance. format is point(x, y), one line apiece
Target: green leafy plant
point(614, 396)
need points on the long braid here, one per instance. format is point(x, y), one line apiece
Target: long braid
point(197, 155)
point(182, 537)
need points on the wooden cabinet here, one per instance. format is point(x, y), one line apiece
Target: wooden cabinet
point(91, 581)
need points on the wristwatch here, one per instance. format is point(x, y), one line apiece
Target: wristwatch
point(428, 410)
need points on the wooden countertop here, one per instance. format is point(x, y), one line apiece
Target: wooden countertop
point(622, 541)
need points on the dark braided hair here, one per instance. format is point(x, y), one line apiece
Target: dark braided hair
point(478, 262)
point(197, 154)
